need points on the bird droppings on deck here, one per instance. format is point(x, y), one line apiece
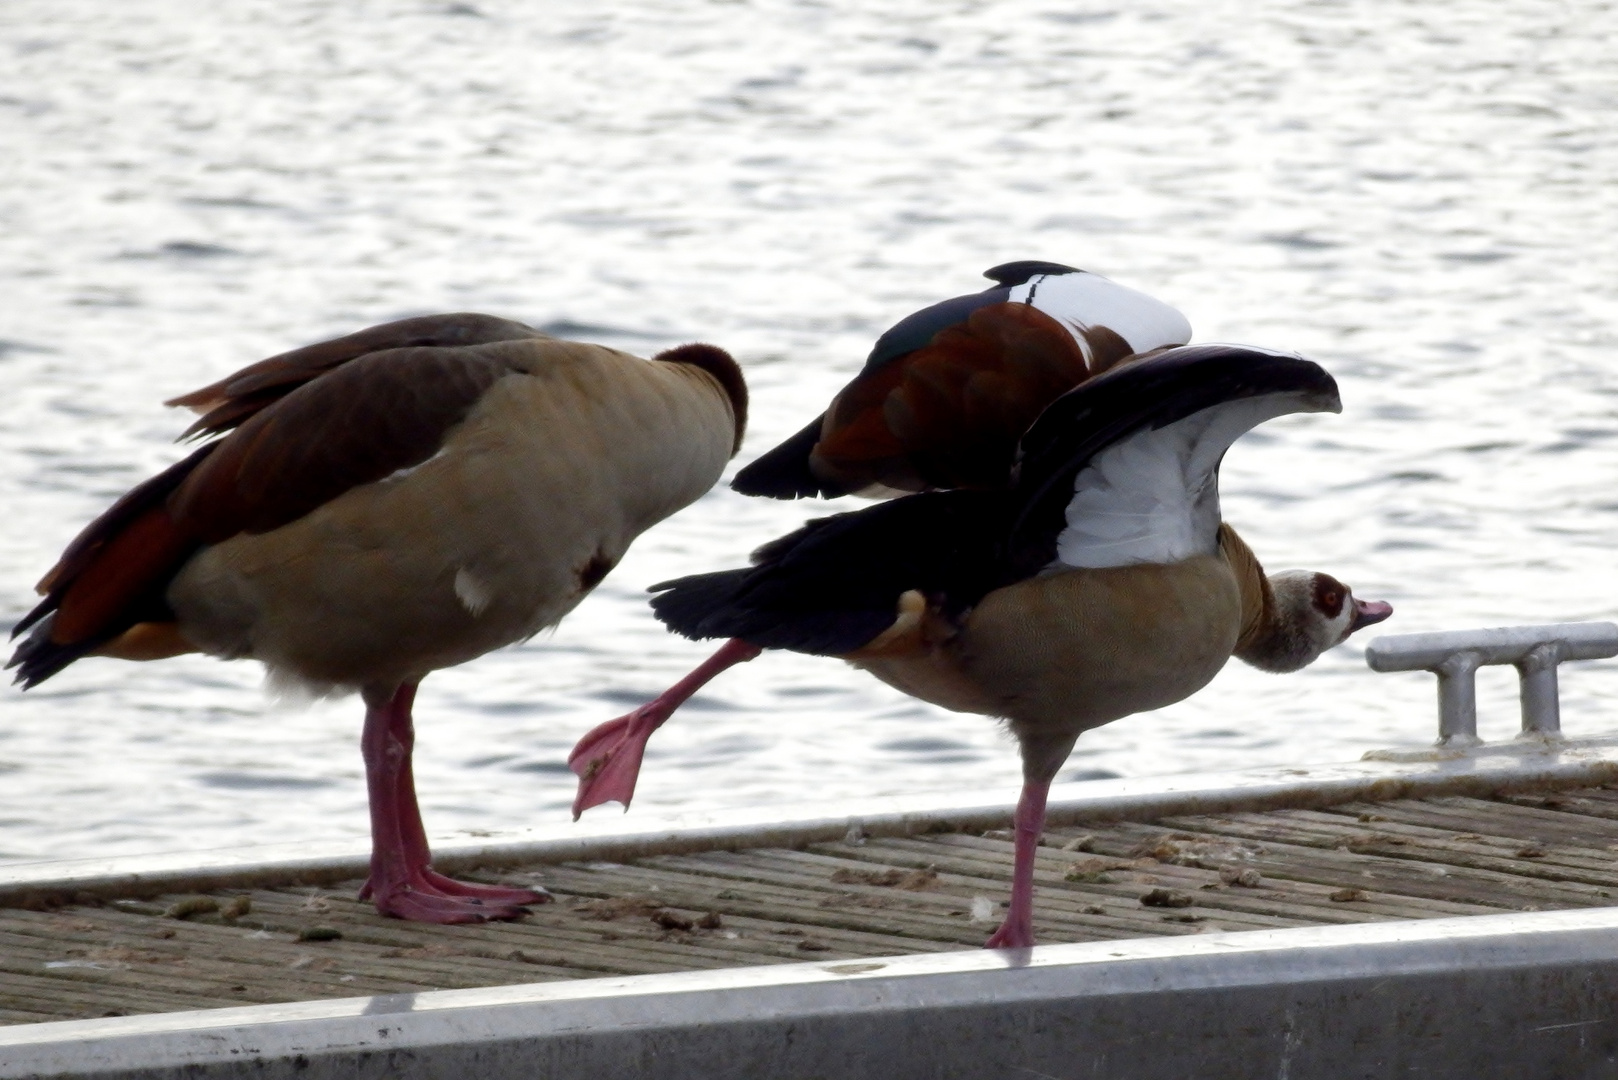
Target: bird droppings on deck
point(191, 905)
point(838, 901)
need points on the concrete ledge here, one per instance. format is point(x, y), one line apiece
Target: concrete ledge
point(1520, 765)
point(1527, 995)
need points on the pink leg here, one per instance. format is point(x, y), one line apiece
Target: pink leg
point(414, 834)
point(607, 760)
point(402, 883)
point(1017, 932)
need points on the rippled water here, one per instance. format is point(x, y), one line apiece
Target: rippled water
point(1418, 195)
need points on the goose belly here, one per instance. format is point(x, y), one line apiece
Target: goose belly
point(523, 510)
point(1068, 651)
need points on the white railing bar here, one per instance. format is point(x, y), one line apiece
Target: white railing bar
point(1455, 656)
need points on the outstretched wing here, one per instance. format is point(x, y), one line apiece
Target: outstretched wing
point(834, 585)
point(313, 431)
point(1125, 468)
point(947, 392)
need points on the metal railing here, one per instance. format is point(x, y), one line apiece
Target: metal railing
point(1455, 656)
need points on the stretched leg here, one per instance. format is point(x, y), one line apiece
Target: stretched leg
point(1017, 932)
point(401, 882)
point(607, 760)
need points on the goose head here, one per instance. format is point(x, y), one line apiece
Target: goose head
point(1311, 612)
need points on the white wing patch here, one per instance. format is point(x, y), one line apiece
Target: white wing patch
point(400, 474)
point(473, 594)
point(1082, 300)
point(1154, 497)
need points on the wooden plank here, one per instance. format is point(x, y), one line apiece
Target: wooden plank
point(1066, 915)
point(206, 975)
point(24, 1016)
point(1596, 804)
point(1510, 817)
point(1289, 902)
point(1433, 836)
point(1416, 845)
point(228, 962)
point(1131, 839)
point(26, 991)
point(630, 943)
point(1288, 853)
point(549, 925)
point(757, 895)
point(256, 937)
point(1504, 824)
point(1120, 896)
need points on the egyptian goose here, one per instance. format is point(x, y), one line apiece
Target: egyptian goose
point(941, 403)
point(379, 506)
point(1098, 583)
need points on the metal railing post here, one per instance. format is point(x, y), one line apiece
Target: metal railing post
point(1455, 656)
point(1541, 706)
point(1458, 699)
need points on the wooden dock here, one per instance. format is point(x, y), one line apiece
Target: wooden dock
point(843, 900)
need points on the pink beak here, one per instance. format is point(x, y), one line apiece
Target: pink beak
point(1369, 612)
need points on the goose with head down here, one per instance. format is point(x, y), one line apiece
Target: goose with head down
point(1099, 582)
point(379, 506)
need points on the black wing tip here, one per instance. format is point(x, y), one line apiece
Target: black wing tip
point(765, 483)
point(1012, 274)
point(768, 605)
point(1178, 381)
point(41, 609)
point(690, 605)
point(784, 473)
point(706, 607)
point(37, 657)
point(1285, 371)
point(1248, 369)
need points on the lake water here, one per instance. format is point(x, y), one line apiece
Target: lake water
point(1420, 196)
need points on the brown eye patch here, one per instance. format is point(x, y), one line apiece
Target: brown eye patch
point(1329, 594)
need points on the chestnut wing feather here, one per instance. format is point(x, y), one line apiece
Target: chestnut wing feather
point(785, 473)
point(949, 415)
point(945, 413)
point(947, 392)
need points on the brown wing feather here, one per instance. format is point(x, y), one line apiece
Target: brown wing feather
point(949, 414)
point(359, 423)
point(231, 400)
